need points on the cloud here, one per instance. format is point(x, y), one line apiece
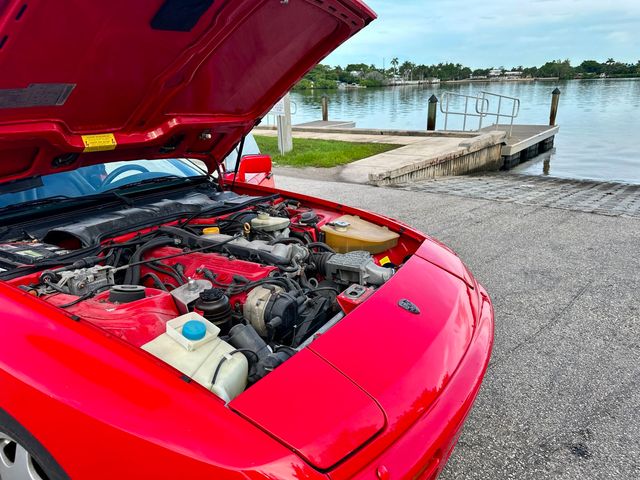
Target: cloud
point(496, 32)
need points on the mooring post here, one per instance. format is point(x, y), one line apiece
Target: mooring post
point(325, 108)
point(431, 116)
point(555, 100)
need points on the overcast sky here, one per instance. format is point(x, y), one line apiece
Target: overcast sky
point(485, 33)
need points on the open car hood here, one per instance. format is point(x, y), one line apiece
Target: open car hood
point(91, 82)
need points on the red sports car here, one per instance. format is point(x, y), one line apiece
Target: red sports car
point(163, 321)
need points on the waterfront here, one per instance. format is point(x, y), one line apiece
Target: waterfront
point(599, 120)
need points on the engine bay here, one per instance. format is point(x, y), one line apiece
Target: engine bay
point(223, 299)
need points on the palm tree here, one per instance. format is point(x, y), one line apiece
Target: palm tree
point(610, 62)
point(406, 69)
point(394, 63)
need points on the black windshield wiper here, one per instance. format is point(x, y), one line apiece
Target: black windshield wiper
point(37, 203)
point(119, 194)
point(63, 200)
point(159, 180)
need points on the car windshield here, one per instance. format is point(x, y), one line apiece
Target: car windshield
point(96, 179)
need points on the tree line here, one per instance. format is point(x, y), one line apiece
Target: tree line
point(327, 77)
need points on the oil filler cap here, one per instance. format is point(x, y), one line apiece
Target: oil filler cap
point(194, 330)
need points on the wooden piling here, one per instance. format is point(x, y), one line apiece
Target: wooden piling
point(325, 108)
point(555, 100)
point(431, 116)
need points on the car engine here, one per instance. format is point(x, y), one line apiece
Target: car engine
point(224, 300)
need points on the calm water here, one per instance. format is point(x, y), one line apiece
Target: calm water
point(599, 120)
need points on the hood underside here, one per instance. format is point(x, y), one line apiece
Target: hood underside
point(91, 82)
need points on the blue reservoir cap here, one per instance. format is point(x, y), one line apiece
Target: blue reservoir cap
point(194, 330)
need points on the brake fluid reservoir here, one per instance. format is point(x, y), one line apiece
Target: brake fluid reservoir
point(191, 345)
point(266, 223)
point(350, 233)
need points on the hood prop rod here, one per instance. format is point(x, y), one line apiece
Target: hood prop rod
point(235, 172)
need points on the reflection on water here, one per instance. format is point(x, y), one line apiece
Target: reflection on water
point(599, 120)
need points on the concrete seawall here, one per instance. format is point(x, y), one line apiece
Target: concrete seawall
point(481, 153)
point(421, 155)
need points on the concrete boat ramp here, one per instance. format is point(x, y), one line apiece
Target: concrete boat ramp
point(561, 398)
point(425, 155)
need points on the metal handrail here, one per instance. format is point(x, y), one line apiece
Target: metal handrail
point(515, 108)
point(479, 107)
point(271, 116)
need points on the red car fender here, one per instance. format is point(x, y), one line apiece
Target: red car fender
point(104, 409)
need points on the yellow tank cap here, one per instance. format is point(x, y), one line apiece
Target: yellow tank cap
point(211, 231)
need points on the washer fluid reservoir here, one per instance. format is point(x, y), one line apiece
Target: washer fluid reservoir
point(191, 345)
point(350, 233)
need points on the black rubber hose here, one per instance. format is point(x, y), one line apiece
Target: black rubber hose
point(322, 246)
point(166, 270)
point(293, 268)
point(156, 281)
point(235, 288)
point(320, 260)
point(195, 241)
point(132, 277)
point(86, 296)
point(325, 289)
point(222, 360)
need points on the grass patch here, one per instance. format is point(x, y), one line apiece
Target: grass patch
point(320, 153)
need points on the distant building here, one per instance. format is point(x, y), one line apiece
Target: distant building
point(375, 75)
point(513, 74)
point(495, 72)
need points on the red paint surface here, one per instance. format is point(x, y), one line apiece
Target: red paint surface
point(348, 303)
point(150, 87)
point(380, 379)
point(324, 418)
point(383, 387)
point(90, 399)
point(420, 372)
point(137, 322)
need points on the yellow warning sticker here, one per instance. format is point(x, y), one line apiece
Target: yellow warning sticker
point(99, 143)
point(385, 260)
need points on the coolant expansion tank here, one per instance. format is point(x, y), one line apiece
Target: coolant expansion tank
point(349, 233)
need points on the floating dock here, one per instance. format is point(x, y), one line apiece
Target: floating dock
point(428, 154)
point(525, 142)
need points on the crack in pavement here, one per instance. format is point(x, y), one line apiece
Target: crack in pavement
point(551, 323)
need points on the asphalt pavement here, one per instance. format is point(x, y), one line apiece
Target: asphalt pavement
point(561, 398)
